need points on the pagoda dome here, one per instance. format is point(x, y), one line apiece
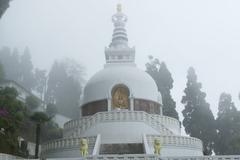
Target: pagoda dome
point(140, 84)
point(120, 70)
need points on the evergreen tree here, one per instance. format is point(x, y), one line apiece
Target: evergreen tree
point(198, 118)
point(18, 67)
point(26, 70)
point(228, 127)
point(10, 62)
point(4, 4)
point(64, 87)
point(164, 81)
point(12, 112)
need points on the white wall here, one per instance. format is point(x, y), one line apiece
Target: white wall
point(121, 132)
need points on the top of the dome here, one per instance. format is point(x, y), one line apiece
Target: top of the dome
point(120, 69)
point(140, 83)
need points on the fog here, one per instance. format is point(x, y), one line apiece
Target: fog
point(203, 34)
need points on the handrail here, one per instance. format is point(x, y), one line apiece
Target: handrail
point(175, 140)
point(163, 119)
point(77, 127)
point(67, 143)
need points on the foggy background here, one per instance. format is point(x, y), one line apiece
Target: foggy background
point(204, 34)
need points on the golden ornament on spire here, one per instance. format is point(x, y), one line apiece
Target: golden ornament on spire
point(119, 8)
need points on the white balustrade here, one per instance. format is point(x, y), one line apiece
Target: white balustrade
point(178, 141)
point(76, 127)
point(67, 143)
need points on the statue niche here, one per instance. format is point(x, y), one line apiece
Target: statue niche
point(120, 97)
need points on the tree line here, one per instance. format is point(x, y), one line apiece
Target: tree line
point(18, 119)
point(220, 134)
point(4, 4)
point(61, 86)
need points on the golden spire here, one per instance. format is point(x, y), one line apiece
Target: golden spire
point(119, 7)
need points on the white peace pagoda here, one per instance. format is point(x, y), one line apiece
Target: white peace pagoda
point(121, 112)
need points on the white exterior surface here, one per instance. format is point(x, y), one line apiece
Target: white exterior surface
point(124, 127)
point(83, 124)
point(78, 128)
point(121, 132)
point(140, 83)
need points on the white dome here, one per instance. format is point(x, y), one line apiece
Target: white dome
point(140, 84)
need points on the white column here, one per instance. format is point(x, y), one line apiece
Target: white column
point(109, 103)
point(131, 103)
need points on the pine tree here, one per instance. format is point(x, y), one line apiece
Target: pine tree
point(65, 77)
point(10, 61)
point(18, 67)
point(26, 70)
point(228, 127)
point(164, 81)
point(4, 4)
point(198, 118)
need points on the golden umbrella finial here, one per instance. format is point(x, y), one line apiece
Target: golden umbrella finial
point(119, 8)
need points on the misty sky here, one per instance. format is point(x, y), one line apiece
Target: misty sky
point(204, 34)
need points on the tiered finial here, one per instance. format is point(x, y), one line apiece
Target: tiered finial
point(119, 38)
point(118, 50)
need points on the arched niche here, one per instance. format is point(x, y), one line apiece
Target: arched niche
point(120, 97)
